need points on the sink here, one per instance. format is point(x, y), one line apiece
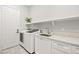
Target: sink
point(32, 30)
point(45, 35)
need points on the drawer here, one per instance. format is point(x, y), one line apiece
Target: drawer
point(57, 51)
point(75, 50)
point(62, 46)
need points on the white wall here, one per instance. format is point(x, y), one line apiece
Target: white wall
point(8, 21)
point(47, 12)
point(24, 12)
point(68, 25)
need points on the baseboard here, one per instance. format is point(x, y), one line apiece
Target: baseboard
point(8, 48)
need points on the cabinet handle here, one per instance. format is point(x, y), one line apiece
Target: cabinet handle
point(17, 31)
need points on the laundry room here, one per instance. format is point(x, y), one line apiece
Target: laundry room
point(39, 29)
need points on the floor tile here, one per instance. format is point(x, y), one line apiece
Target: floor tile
point(14, 50)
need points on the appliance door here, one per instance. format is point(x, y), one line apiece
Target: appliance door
point(29, 42)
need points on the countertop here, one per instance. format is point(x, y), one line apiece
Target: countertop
point(71, 38)
point(67, 37)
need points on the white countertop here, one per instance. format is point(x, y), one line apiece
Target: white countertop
point(72, 38)
point(65, 39)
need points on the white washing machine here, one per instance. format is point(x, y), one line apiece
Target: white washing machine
point(28, 41)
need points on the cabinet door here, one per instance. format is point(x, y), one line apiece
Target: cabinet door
point(55, 48)
point(57, 51)
point(44, 45)
point(60, 47)
point(10, 18)
point(75, 50)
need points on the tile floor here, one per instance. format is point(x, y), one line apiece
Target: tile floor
point(14, 50)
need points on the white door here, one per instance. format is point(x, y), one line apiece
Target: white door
point(0, 27)
point(10, 23)
point(44, 45)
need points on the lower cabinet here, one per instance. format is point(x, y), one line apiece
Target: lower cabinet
point(75, 50)
point(60, 47)
point(42, 45)
point(57, 51)
point(47, 46)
